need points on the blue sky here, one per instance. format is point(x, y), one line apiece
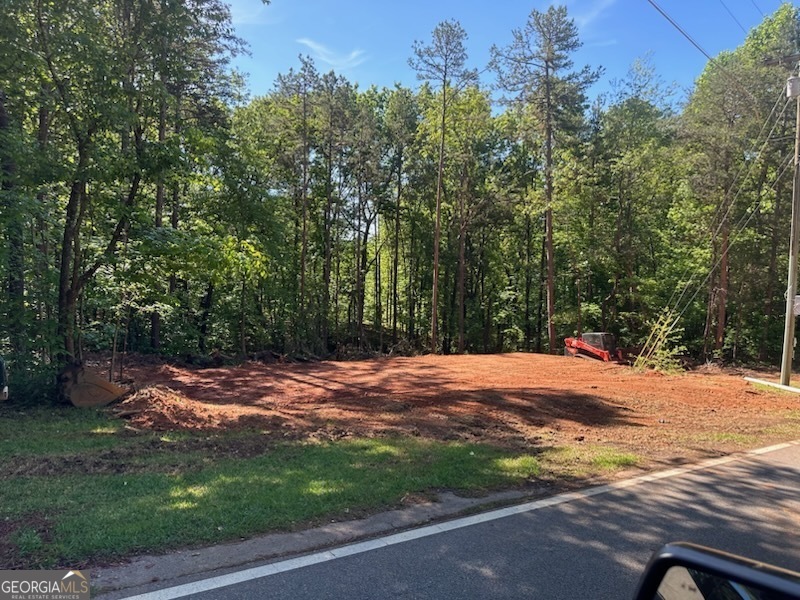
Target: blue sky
point(369, 41)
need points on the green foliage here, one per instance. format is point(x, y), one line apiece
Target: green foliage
point(32, 385)
point(146, 205)
point(662, 351)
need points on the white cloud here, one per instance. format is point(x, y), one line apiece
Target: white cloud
point(595, 10)
point(601, 43)
point(250, 12)
point(333, 58)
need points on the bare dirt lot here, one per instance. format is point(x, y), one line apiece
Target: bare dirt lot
point(510, 400)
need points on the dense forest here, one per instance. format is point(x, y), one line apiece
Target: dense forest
point(148, 204)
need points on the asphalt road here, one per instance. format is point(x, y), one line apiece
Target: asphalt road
point(593, 547)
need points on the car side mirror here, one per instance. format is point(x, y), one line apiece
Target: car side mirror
point(684, 571)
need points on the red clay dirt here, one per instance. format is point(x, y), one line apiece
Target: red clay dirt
point(509, 399)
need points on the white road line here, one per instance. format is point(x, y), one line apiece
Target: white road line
point(221, 581)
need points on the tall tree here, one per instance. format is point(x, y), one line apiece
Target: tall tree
point(472, 153)
point(401, 123)
point(333, 102)
point(536, 69)
point(100, 73)
point(298, 89)
point(370, 180)
point(442, 63)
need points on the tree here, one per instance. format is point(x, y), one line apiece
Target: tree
point(628, 183)
point(535, 69)
point(732, 159)
point(370, 181)
point(99, 81)
point(402, 115)
point(334, 110)
point(473, 146)
point(442, 63)
point(297, 89)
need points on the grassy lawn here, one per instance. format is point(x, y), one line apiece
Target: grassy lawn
point(79, 488)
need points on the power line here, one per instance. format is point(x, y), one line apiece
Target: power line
point(668, 322)
point(787, 163)
point(679, 28)
point(694, 43)
point(758, 8)
point(730, 207)
point(736, 179)
point(767, 140)
point(725, 6)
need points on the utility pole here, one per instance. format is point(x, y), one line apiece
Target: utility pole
point(792, 91)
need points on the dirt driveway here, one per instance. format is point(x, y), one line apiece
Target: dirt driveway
point(510, 399)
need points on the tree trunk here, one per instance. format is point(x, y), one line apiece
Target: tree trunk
point(176, 195)
point(155, 317)
point(362, 284)
point(114, 342)
point(243, 318)
point(487, 325)
point(461, 274)
point(709, 311)
point(722, 293)
point(447, 309)
point(327, 226)
point(15, 284)
point(528, 282)
point(540, 305)
point(304, 227)
point(548, 214)
point(360, 267)
point(66, 291)
point(205, 306)
point(437, 230)
point(43, 258)
point(580, 316)
point(396, 265)
point(378, 303)
point(411, 288)
point(303, 255)
point(337, 279)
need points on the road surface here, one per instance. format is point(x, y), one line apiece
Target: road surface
point(586, 547)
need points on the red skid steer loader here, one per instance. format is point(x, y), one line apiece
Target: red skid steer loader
point(600, 346)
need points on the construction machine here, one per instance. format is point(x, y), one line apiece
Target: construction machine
point(597, 345)
point(86, 389)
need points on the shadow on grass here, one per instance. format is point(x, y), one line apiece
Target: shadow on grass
point(96, 517)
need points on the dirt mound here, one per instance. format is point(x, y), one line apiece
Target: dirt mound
point(161, 408)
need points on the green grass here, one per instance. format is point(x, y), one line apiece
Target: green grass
point(585, 460)
point(99, 492)
point(40, 431)
point(762, 387)
point(790, 427)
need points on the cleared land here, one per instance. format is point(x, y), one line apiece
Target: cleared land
point(197, 456)
point(512, 400)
